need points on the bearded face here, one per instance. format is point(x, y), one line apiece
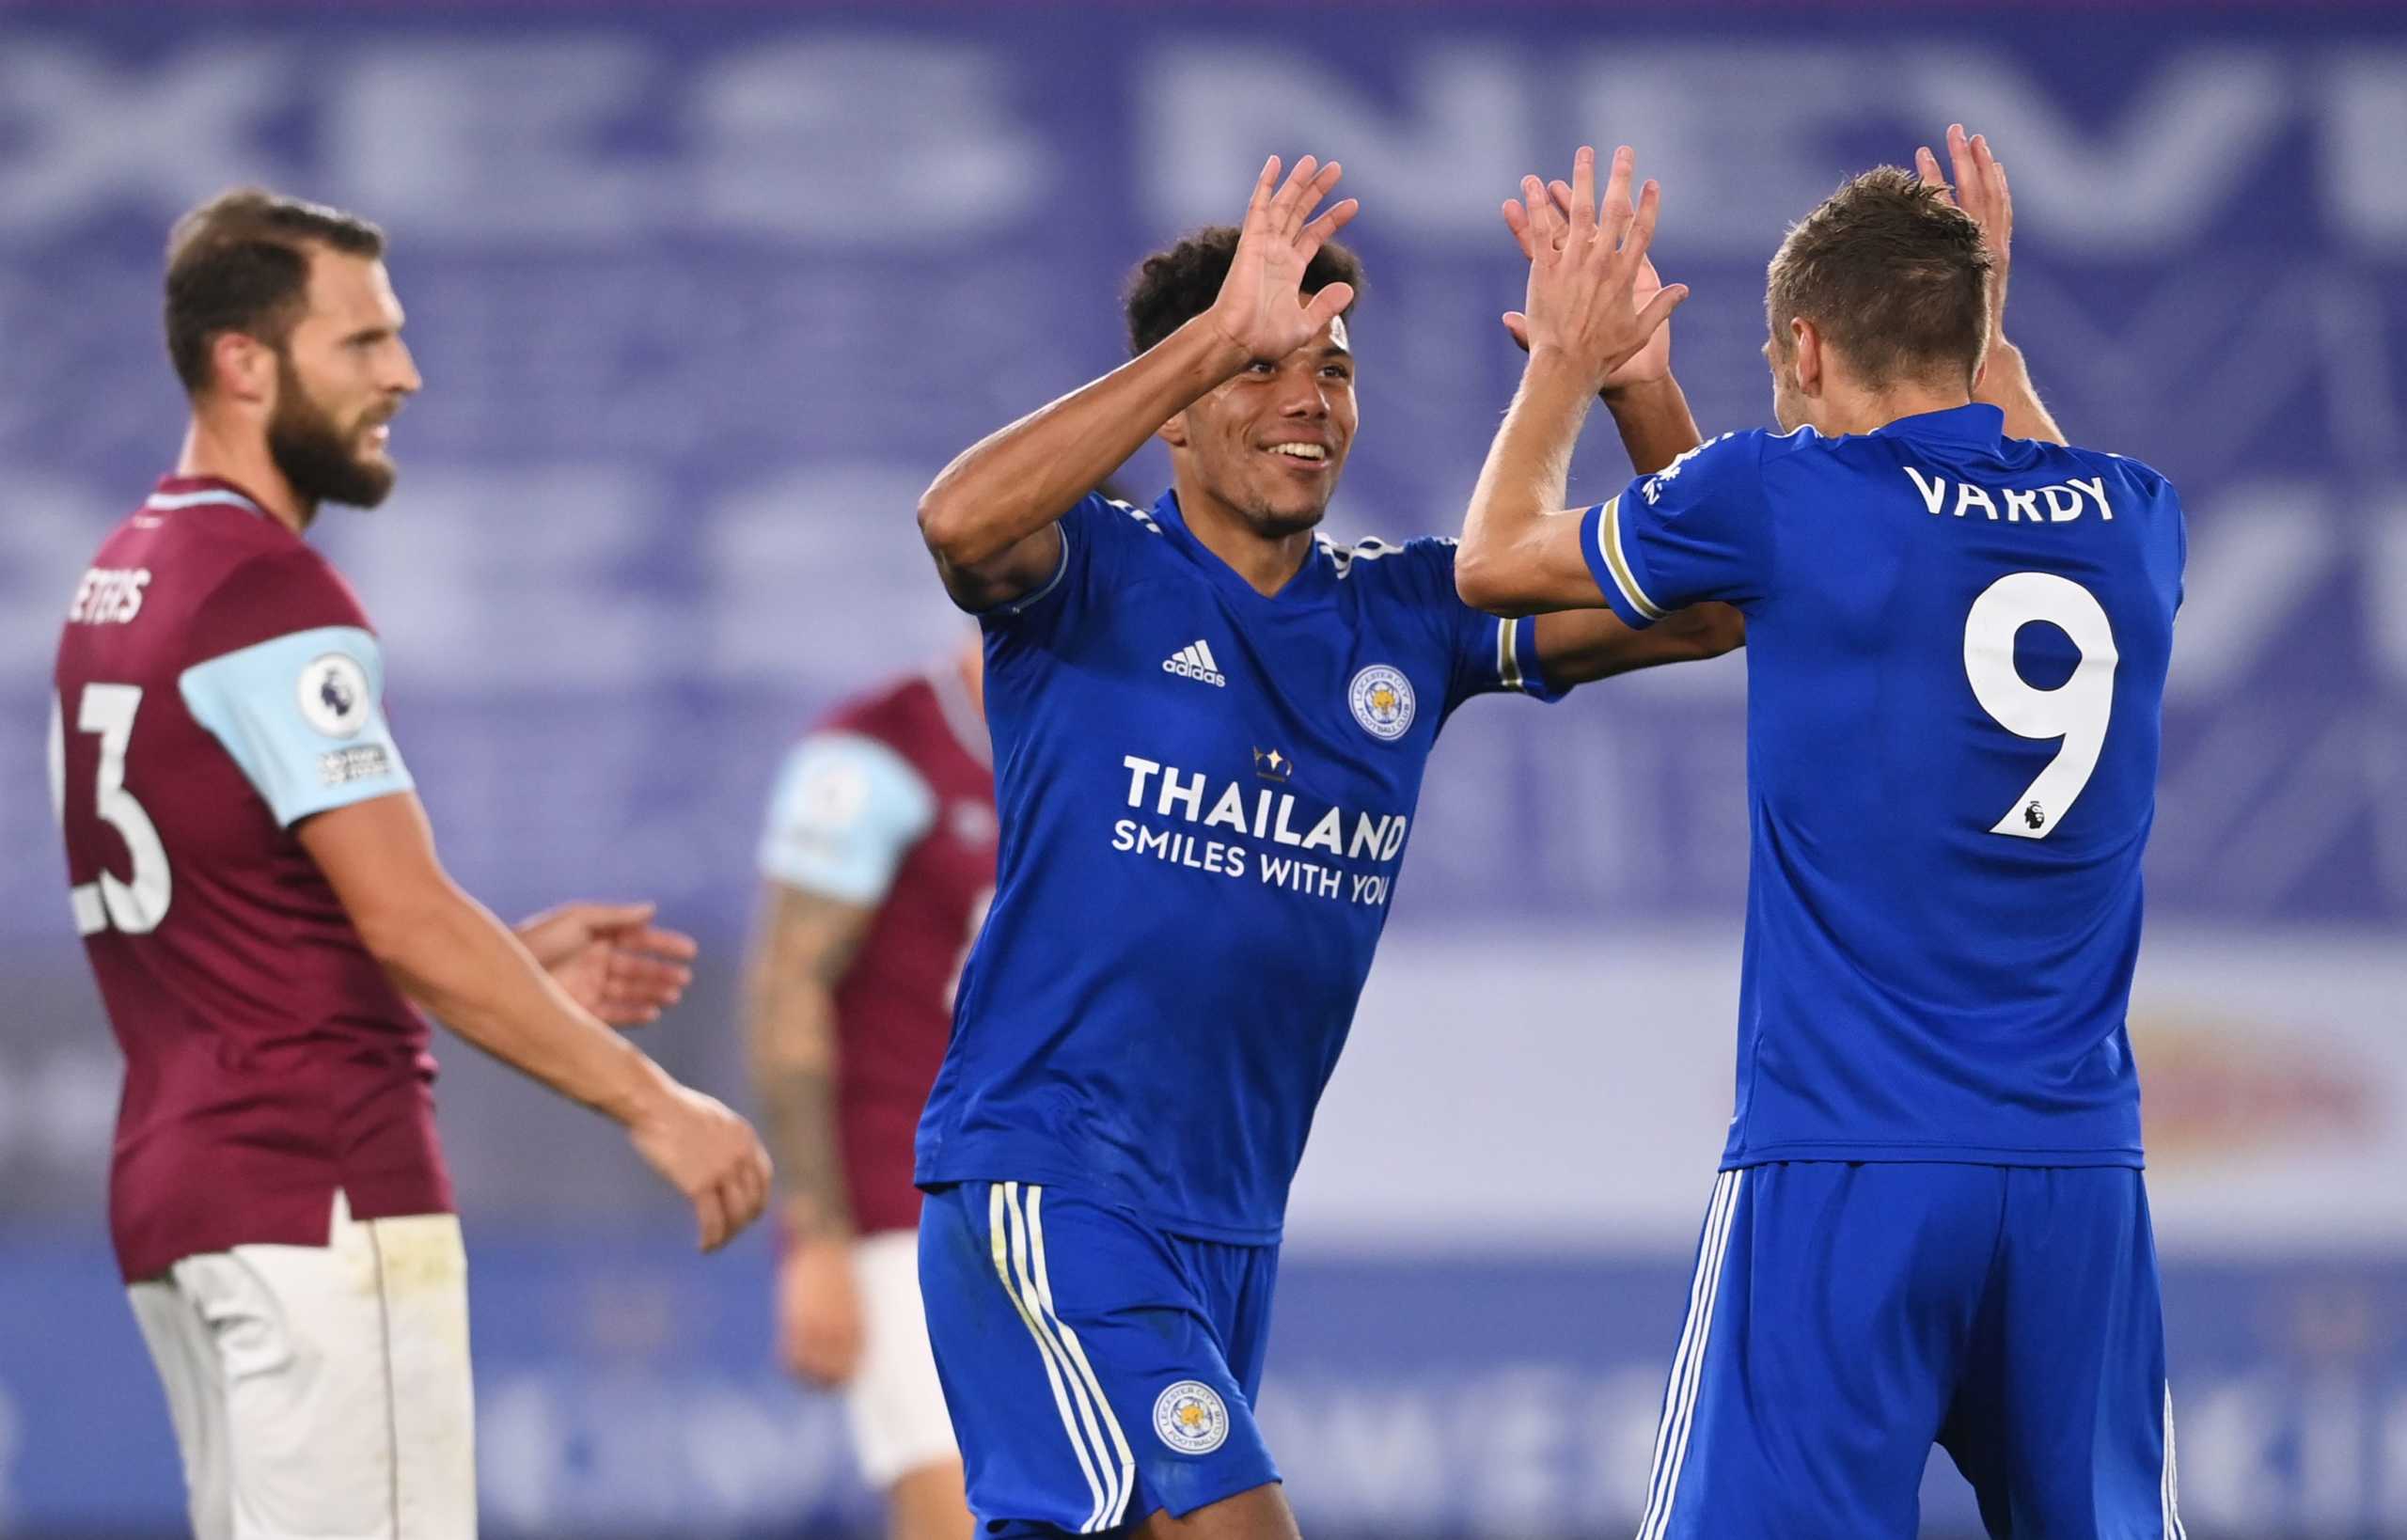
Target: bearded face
point(329, 454)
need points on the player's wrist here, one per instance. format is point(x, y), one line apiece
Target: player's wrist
point(1552, 365)
point(807, 1223)
point(643, 1095)
point(1621, 396)
point(1210, 348)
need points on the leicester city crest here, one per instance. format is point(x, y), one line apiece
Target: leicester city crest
point(1191, 1418)
point(1382, 700)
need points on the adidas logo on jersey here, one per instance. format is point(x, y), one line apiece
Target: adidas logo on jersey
point(1195, 661)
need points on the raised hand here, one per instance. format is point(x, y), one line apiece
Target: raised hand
point(1583, 300)
point(611, 959)
point(1650, 363)
point(1980, 190)
point(1260, 307)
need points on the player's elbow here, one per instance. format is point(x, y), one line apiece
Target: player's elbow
point(403, 937)
point(423, 932)
point(951, 531)
point(1711, 630)
point(1485, 582)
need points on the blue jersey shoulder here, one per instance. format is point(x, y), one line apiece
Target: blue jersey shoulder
point(2144, 478)
point(1419, 572)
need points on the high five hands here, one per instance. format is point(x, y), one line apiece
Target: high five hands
point(1650, 363)
point(1595, 300)
point(1980, 190)
point(1260, 307)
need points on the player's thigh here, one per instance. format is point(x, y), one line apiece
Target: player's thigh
point(2064, 1425)
point(1086, 1372)
point(1260, 1513)
point(349, 1404)
point(1826, 1321)
point(178, 1336)
point(925, 1502)
point(895, 1404)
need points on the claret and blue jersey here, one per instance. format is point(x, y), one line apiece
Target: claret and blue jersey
point(1205, 794)
point(1957, 647)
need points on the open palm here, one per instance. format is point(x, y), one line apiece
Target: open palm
point(1260, 306)
point(1649, 364)
point(1979, 190)
point(611, 959)
point(1587, 258)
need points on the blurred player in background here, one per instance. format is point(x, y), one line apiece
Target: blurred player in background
point(1210, 726)
point(258, 892)
point(1930, 1224)
point(878, 861)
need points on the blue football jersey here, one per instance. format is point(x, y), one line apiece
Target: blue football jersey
point(1956, 657)
point(1205, 794)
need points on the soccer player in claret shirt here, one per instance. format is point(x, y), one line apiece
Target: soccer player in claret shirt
point(259, 894)
point(1210, 726)
point(878, 861)
point(1931, 1223)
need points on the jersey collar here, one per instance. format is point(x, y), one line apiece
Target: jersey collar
point(1977, 424)
point(175, 491)
point(1311, 580)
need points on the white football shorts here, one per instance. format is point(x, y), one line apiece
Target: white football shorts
point(894, 1402)
point(322, 1391)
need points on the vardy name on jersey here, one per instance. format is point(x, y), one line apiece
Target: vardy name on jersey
point(1206, 793)
point(1956, 650)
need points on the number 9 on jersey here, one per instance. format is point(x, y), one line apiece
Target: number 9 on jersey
point(2076, 711)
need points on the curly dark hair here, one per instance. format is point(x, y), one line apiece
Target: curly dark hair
point(1172, 287)
point(1892, 276)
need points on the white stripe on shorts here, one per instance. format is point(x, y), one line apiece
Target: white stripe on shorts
point(2172, 1480)
point(1000, 1237)
point(1688, 1366)
point(1078, 1354)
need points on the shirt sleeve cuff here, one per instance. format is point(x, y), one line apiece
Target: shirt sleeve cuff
point(1606, 555)
point(1518, 664)
point(1012, 608)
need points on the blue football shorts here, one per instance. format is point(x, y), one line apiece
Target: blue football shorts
point(1097, 1367)
point(1845, 1317)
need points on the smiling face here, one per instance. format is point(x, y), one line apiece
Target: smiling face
point(342, 372)
point(1269, 444)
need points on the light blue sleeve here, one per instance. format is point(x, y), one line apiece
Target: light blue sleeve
point(846, 810)
point(303, 715)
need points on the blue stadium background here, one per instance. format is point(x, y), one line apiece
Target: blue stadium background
point(705, 294)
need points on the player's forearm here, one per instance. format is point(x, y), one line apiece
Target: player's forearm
point(1656, 425)
point(799, 1116)
point(467, 969)
point(1516, 556)
point(2005, 384)
point(793, 1040)
point(1015, 481)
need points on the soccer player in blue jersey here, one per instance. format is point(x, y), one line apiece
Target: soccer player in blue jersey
point(1930, 1224)
point(1209, 729)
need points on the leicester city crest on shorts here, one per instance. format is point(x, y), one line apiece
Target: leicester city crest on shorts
point(1191, 1418)
point(1382, 700)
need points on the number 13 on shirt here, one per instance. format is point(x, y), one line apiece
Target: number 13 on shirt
point(2076, 711)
